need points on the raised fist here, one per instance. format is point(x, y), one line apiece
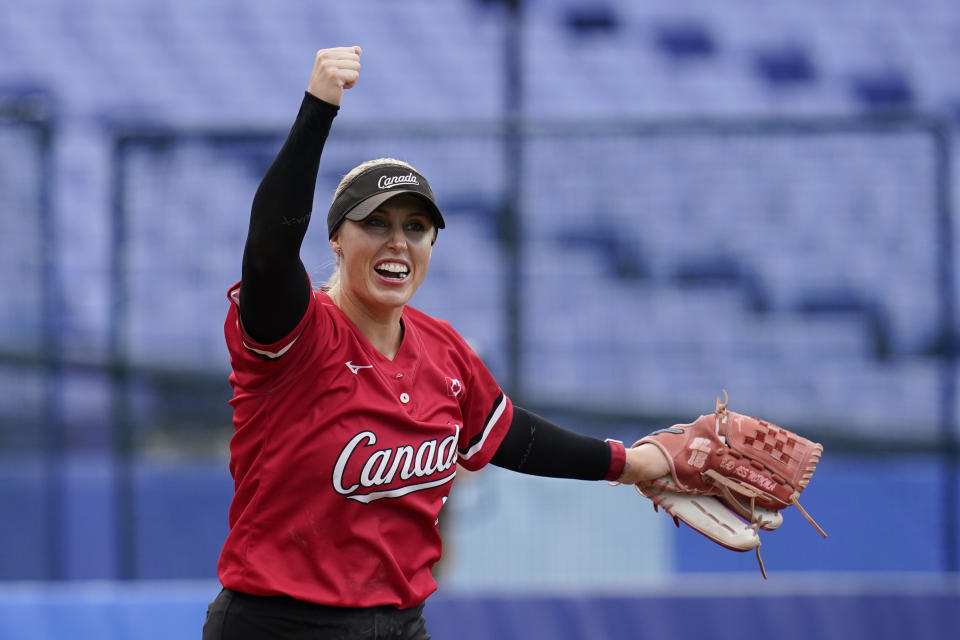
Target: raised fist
point(334, 70)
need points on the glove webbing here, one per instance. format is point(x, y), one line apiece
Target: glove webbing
point(728, 487)
point(726, 484)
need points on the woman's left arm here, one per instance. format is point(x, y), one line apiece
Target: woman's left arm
point(536, 446)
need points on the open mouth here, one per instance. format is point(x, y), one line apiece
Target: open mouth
point(392, 270)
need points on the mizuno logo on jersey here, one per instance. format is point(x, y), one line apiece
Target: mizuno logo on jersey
point(356, 367)
point(366, 473)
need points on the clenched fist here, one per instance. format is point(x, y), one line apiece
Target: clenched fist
point(334, 70)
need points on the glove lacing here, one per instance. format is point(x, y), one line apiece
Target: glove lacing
point(728, 486)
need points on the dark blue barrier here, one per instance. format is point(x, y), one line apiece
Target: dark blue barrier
point(846, 617)
point(824, 607)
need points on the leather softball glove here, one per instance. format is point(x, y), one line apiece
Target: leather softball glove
point(731, 475)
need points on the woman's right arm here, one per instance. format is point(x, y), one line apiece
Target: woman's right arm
point(275, 288)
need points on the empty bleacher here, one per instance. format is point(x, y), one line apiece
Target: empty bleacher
point(804, 265)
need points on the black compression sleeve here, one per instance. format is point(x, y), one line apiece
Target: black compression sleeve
point(536, 446)
point(275, 288)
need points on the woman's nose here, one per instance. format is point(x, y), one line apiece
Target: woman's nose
point(397, 239)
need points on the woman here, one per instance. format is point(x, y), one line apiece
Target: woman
point(352, 410)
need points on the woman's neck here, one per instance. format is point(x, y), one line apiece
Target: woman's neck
point(382, 330)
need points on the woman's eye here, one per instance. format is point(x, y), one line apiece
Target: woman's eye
point(416, 226)
point(375, 222)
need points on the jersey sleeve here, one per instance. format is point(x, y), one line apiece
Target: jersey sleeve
point(487, 413)
point(255, 364)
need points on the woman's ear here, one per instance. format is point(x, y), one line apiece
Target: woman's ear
point(335, 244)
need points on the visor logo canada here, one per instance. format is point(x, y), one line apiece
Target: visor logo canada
point(386, 182)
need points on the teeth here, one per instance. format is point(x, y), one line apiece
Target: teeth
point(393, 267)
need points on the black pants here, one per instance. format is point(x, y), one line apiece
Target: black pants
point(239, 616)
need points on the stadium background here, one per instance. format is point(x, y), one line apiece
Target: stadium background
point(647, 202)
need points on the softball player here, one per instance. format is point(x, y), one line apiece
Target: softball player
point(352, 410)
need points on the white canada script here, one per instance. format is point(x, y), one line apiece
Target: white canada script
point(384, 466)
point(385, 182)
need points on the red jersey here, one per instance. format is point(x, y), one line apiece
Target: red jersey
point(342, 458)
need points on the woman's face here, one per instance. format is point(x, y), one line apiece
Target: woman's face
point(385, 256)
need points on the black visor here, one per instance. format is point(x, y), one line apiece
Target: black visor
point(374, 186)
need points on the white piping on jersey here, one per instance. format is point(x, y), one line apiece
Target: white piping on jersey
point(487, 428)
point(273, 355)
point(402, 491)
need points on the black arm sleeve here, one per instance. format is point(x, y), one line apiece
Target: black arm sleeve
point(275, 288)
point(536, 446)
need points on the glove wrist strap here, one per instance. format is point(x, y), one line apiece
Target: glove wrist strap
point(618, 460)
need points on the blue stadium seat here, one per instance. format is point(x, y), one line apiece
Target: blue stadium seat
point(767, 234)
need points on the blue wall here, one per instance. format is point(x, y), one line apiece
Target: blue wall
point(881, 515)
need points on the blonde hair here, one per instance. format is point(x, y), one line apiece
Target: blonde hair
point(334, 278)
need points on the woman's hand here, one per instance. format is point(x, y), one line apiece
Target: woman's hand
point(334, 70)
point(644, 463)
